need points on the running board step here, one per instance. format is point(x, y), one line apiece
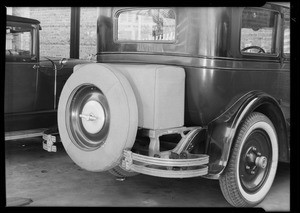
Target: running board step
point(192, 166)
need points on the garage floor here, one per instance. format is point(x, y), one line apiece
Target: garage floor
point(52, 179)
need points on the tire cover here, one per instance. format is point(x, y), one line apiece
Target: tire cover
point(123, 116)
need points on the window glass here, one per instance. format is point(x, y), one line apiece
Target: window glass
point(19, 41)
point(286, 39)
point(258, 31)
point(146, 25)
point(88, 32)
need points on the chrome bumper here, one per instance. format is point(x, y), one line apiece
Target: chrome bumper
point(192, 166)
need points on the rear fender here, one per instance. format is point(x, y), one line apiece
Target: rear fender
point(222, 130)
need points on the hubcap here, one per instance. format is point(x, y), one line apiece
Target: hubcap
point(255, 160)
point(87, 116)
point(92, 116)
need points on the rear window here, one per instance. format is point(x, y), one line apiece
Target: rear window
point(146, 25)
point(258, 31)
point(19, 42)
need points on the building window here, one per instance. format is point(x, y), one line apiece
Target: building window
point(258, 31)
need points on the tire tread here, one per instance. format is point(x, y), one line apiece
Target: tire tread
point(121, 173)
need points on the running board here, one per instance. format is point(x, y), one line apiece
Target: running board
point(192, 165)
point(15, 135)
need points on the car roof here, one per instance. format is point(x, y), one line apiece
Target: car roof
point(282, 4)
point(21, 19)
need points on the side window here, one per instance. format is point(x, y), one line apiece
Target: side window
point(258, 31)
point(19, 42)
point(286, 38)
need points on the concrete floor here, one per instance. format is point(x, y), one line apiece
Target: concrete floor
point(52, 179)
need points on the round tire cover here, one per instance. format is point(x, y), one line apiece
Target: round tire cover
point(123, 119)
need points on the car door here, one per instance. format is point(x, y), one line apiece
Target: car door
point(20, 76)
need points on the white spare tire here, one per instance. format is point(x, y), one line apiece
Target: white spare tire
point(97, 117)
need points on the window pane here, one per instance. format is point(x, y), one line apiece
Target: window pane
point(146, 25)
point(88, 32)
point(19, 41)
point(286, 42)
point(258, 31)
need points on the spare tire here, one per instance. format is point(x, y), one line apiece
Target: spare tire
point(97, 117)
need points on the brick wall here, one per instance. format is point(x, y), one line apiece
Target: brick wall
point(55, 33)
point(88, 31)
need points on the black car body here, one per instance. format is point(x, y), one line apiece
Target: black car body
point(220, 78)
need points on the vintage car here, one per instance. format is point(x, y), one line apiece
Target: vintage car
point(184, 92)
point(32, 83)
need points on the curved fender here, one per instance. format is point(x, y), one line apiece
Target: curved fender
point(221, 131)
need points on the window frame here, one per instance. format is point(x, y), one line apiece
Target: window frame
point(276, 28)
point(116, 15)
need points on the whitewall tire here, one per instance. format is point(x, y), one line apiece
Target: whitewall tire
point(252, 166)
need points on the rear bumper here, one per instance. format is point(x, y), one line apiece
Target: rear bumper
point(192, 166)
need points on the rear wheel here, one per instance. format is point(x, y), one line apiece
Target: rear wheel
point(252, 166)
point(97, 117)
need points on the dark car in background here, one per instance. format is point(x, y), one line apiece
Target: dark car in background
point(32, 83)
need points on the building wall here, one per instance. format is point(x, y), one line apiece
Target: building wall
point(55, 33)
point(88, 31)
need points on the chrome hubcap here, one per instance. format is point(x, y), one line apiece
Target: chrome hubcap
point(87, 116)
point(92, 116)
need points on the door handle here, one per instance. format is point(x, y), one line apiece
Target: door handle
point(36, 66)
